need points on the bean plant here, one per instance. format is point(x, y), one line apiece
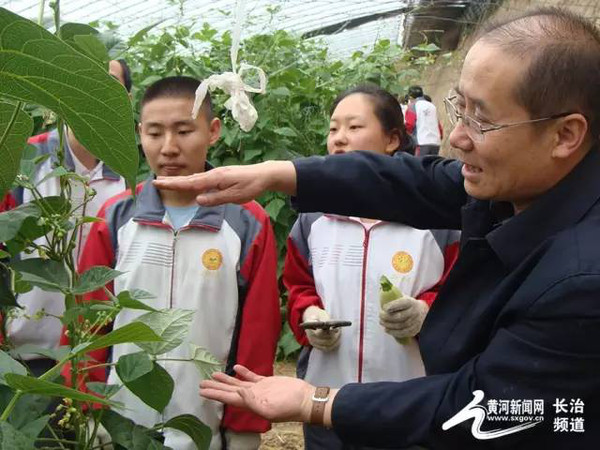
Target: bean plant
point(67, 74)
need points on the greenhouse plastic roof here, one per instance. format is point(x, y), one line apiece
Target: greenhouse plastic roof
point(346, 26)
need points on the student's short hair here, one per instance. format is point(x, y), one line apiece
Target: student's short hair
point(177, 87)
point(415, 91)
point(126, 74)
point(563, 50)
point(386, 106)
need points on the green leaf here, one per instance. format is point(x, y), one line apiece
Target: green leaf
point(7, 296)
point(11, 438)
point(103, 389)
point(4, 255)
point(31, 349)
point(140, 35)
point(27, 409)
point(42, 387)
point(125, 433)
point(426, 48)
point(274, 207)
point(193, 427)
point(95, 278)
point(90, 219)
point(88, 310)
point(287, 343)
point(9, 365)
point(131, 299)
point(286, 131)
point(170, 324)
point(56, 172)
point(46, 274)
point(39, 68)
point(91, 46)
point(132, 332)
point(34, 428)
point(12, 141)
point(54, 203)
point(250, 154)
point(281, 91)
point(154, 388)
point(132, 366)
point(205, 362)
point(71, 29)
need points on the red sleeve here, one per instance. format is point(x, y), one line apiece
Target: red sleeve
point(410, 120)
point(98, 251)
point(299, 281)
point(261, 318)
point(450, 257)
point(7, 203)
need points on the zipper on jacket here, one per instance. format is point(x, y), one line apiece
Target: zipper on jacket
point(363, 288)
point(175, 235)
point(363, 300)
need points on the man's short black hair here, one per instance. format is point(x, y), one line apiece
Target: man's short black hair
point(563, 51)
point(415, 91)
point(126, 73)
point(177, 87)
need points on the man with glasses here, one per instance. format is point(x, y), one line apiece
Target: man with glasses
point(518, 320)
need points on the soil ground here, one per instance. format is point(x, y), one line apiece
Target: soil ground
point(284, 436)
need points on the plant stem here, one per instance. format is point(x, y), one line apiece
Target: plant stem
point(10, 406)
point(56, 8)
point(54, 434)
point(41, 13)
point(57, 440)
point(96, 366)
point(174, 359)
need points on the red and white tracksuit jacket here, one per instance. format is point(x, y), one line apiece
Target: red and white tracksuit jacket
point(422, 123)
point(335, 263)
point(222, 265)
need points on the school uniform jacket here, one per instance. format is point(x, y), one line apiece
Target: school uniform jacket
point(222, 265)
point(335, 263)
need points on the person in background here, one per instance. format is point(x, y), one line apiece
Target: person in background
point(220, 262)
point(422, 123)
point(334, 264)
point(45, 332)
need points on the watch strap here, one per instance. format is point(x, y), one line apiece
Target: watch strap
point(319, 399)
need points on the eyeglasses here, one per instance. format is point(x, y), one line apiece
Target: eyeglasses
point(475, 129)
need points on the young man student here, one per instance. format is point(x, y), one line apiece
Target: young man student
point(219, 261)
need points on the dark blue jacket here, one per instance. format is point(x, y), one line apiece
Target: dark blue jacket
point(518, 318)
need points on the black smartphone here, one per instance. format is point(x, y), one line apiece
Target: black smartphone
point(324, 325)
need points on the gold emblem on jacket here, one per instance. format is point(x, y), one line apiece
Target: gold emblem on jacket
point(212, 259)
point(402, 262)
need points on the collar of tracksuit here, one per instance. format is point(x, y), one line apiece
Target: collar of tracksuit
point(149, 209)
point(107, 172)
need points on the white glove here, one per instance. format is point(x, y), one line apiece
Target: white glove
point(242, 441)
point(102, 440)
point(403, 318)
point(324, 340)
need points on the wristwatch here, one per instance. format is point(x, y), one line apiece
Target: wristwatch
point(320, 399)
